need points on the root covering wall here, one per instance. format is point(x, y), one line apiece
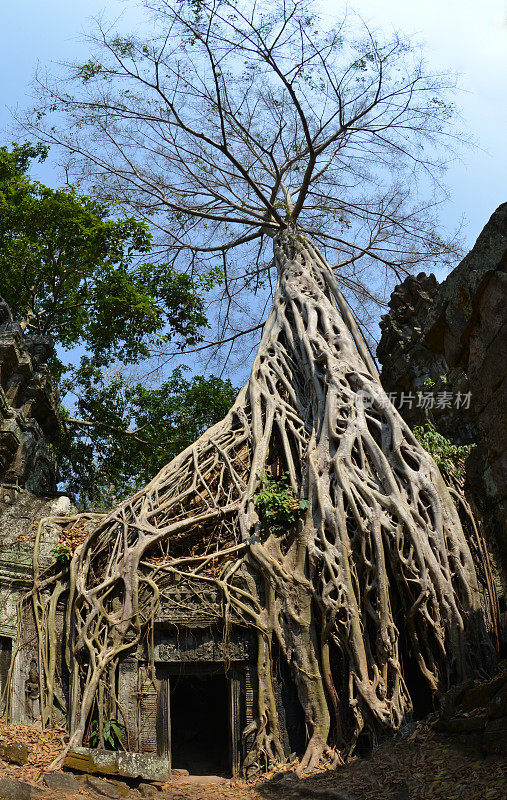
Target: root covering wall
point(381, 548)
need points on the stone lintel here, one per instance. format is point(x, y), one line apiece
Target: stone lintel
point(112, 762)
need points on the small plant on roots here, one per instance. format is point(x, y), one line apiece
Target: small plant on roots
point(112, 733)
point(277, 505)
point(62, 554)
point(449, 457)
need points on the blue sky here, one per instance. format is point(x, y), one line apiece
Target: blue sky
point(464, 36)
point(469, 38)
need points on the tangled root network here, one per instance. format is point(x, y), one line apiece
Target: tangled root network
point(376, 576)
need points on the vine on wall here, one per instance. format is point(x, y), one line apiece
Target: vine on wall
point(449, 457)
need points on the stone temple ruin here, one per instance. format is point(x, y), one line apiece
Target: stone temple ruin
point(29, 422)
point(192, 704)
point(195, 713)
point(203, 700)
point(455, 334)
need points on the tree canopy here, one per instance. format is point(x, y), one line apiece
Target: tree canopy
point(235, 119)
point(124, 431)
point(73, 269)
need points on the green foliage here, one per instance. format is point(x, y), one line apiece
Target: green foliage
point(62, 554)
point(277, 505)
point(103, 463)
point(429, 383)
point(74, 270)
point(112, 733)
point(449, 457)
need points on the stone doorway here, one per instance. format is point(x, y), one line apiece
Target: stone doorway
point(195, 702)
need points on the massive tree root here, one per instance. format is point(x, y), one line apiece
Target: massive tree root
point(380, 550)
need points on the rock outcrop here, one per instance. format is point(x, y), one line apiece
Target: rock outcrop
point(29, 420)
point(455, 334)
point(476, 714)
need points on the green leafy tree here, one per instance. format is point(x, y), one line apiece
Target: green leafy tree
point(125, 432)
point(72, 270)
point(449, 457)
point(277, 505)
point(76, 272)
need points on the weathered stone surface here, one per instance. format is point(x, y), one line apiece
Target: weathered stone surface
point(29, 424)
point(466, 284)
point(104, 788)
point(476, 714)
point(17, 532)
point(494, 738)
point(147, 790)
point(61, 780)
point(481, 693)
point(202, 780)
point(18, 528)
point(498, 705)
point(29, 417)
point(202, 644)
point(463, 724)
point(122, 787)
point(126, 765)
point(406, 357)
point(11, 789)
point(14, 753)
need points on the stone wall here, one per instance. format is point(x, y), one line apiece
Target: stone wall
point(29, 423)
point(18, 527)
point(455, 334)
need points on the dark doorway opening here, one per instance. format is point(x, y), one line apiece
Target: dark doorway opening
point(5, 662)
point(200, 739)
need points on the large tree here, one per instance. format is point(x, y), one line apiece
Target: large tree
point(230, 121)
point(252, 137)
point(77, 273)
